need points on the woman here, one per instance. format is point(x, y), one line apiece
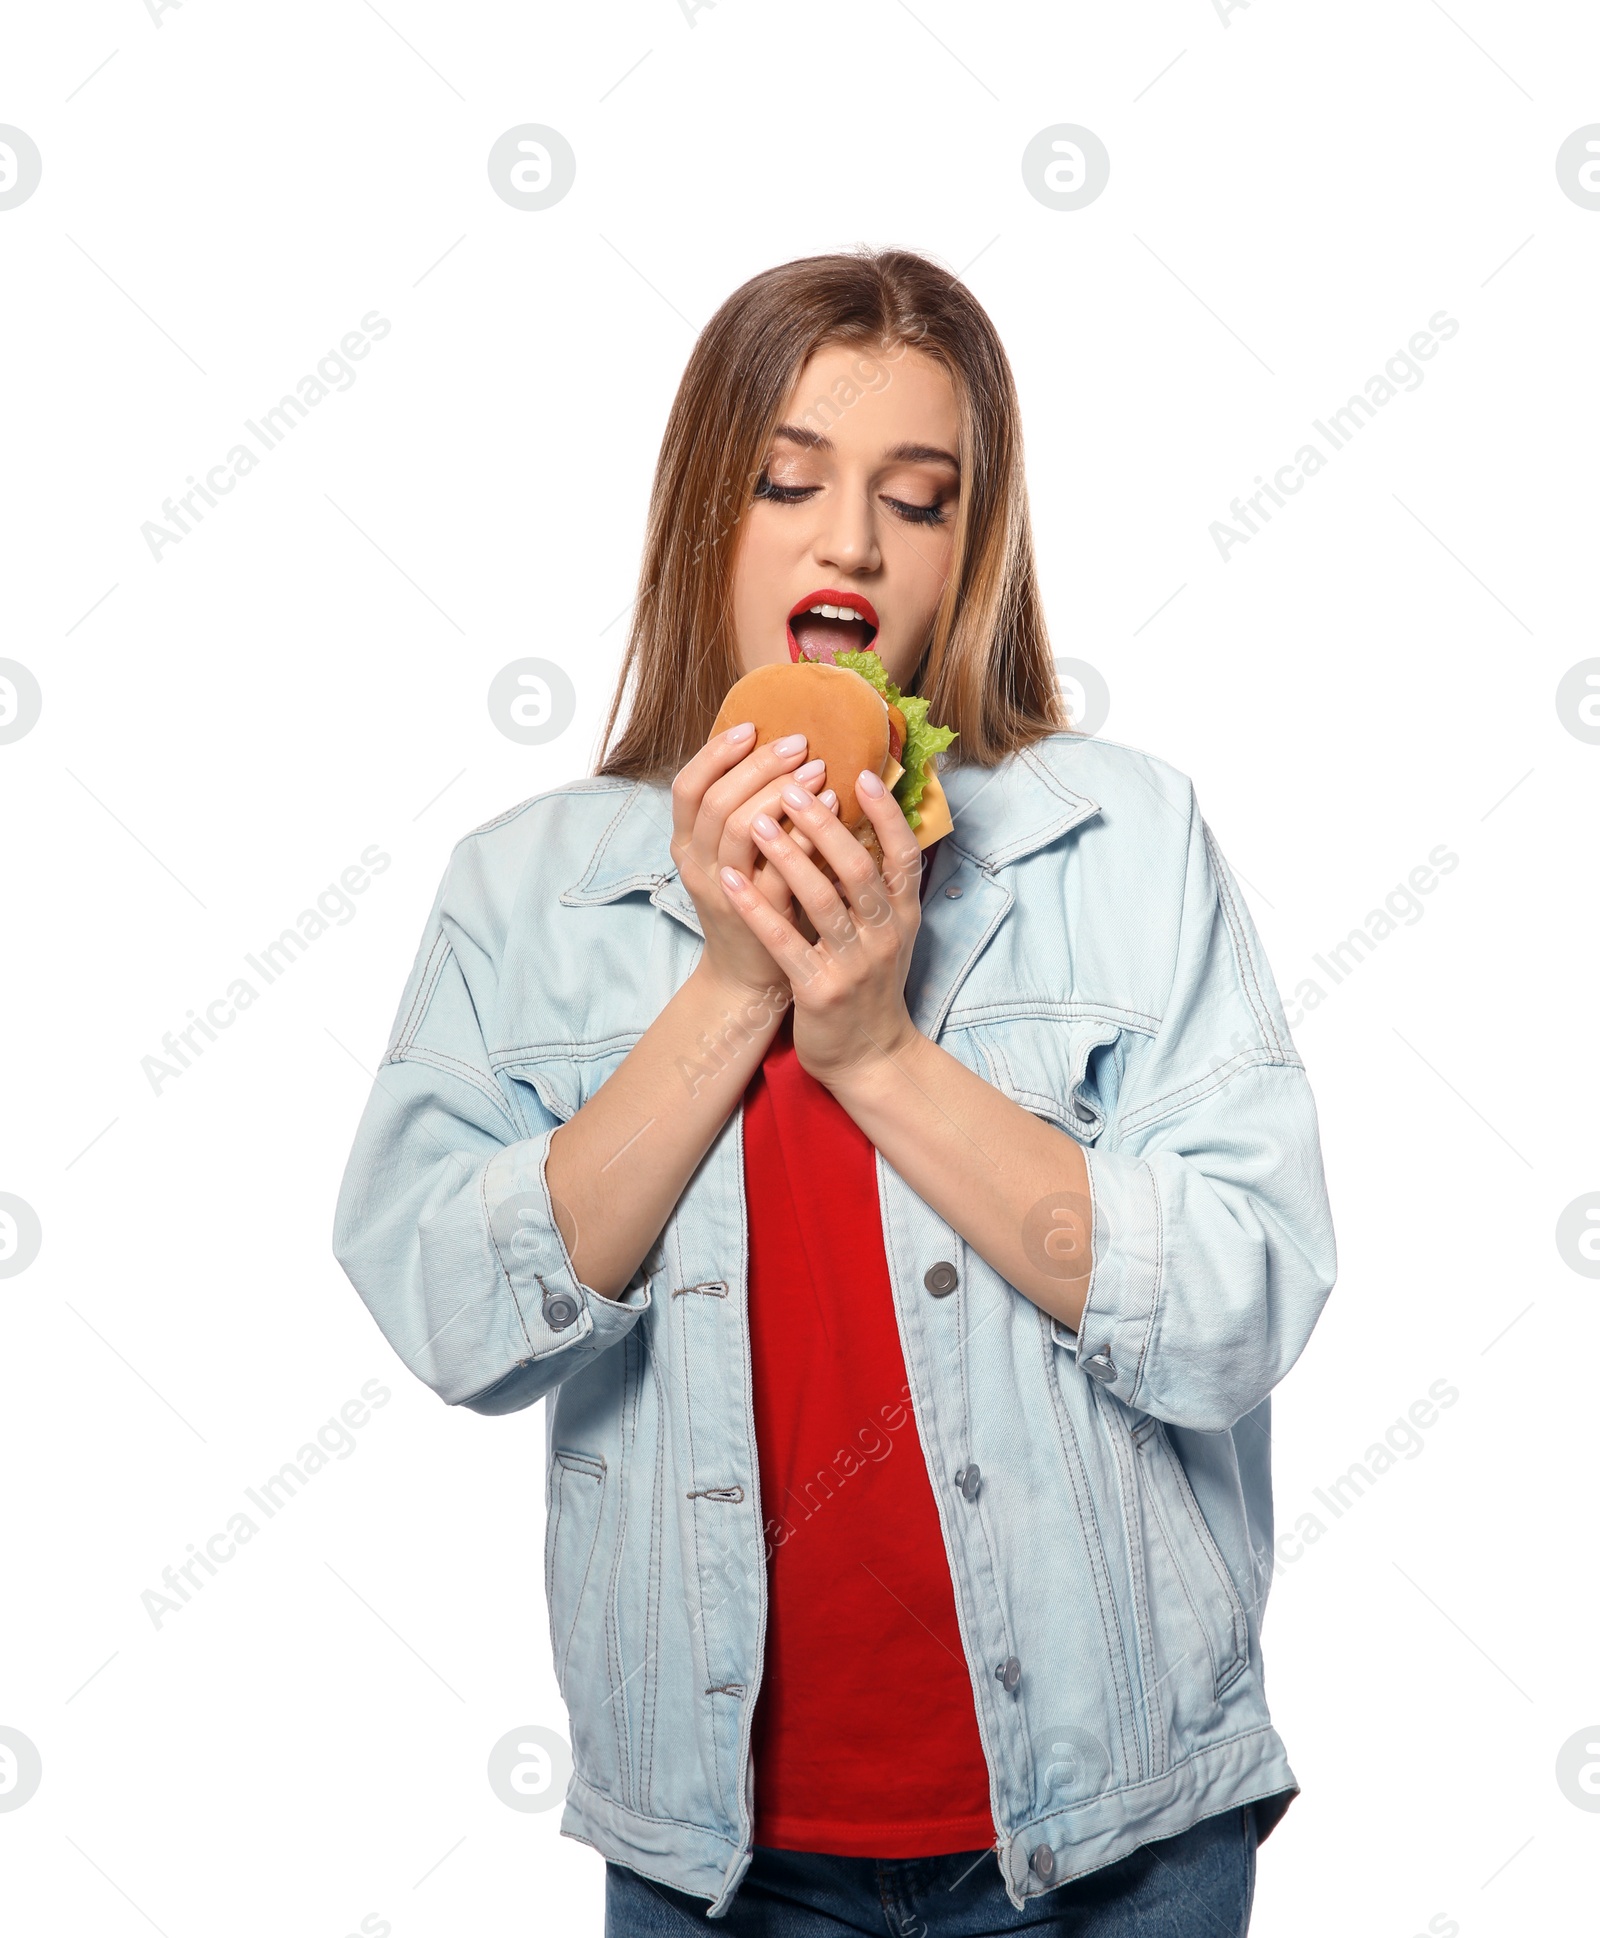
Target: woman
point(908, 1254)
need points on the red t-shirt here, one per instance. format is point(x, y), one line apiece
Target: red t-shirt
point(866, 1736)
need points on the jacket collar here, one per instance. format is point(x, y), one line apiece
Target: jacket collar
point(1000, 814)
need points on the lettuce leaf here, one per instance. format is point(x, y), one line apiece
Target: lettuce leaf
point(870, 667)
point(923, 740)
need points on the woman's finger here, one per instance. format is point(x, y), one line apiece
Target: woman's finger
point(718, 756)
point(714, 785)
point(829, 911)
point(902, 854)
point(737, 847)
point(775, 932)
point(769, 881)
point(866, 897)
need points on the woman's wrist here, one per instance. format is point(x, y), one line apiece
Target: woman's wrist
point(757, 1006)
point(889, 1057)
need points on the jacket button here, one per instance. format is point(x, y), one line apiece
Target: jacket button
point(1043, 1861)
point(940, 1279)
point(560, 1309)
point(953, 893)
point(969, 1480)
point(1098, 1366)
point(1008, 1674)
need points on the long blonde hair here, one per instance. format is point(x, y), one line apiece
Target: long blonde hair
point(986, 669)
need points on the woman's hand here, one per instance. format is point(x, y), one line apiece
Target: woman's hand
point(715, 797)
point(849, 985)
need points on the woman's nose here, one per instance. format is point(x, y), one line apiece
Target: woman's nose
point(848, 537)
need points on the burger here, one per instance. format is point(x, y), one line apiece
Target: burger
point(853, 717)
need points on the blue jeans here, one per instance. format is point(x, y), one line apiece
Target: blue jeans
point(1199, 1884)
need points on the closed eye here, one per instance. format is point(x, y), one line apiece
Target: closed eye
point(783, 494)
point(933, 514)
point(919, 514)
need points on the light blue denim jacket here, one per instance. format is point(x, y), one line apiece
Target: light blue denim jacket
point(1104, 1496)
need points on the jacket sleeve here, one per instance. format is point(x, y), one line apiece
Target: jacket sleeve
point(1213, 1246)
point(444, 1223)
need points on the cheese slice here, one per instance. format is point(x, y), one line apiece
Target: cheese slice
point(892, 780)
point(935, 810)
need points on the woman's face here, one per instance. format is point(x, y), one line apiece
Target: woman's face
point(856, 509)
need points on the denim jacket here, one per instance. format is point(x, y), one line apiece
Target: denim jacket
point(1104, 1495)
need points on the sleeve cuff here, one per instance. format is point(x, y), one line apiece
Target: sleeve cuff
point(1114, 1329)
point(556, 1309)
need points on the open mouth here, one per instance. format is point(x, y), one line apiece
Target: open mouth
point(827, 623)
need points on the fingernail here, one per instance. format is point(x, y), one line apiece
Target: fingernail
point(732, 879)
point(796, 797)
point(829, 799)
point(811, 770)
point(791, 743)
point(744, 728)
point(764, 825)
point(869, 784)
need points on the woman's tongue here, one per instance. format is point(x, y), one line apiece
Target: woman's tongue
point(821, 639)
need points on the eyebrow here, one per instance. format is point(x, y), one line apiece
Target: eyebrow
point(901, 454)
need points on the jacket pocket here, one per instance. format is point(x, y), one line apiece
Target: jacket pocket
point(575, 1591)
point(564, 1076)
point(1198, 1636)
point(1064, 1068)
point(571, 1532)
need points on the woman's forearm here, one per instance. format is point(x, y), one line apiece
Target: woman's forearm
point(617, 1168)
point(1015, 1187)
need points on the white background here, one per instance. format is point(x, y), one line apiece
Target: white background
point(1294, 191)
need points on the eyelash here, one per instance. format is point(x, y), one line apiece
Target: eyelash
point(933, 514)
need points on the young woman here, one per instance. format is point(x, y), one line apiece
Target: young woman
point(908, 1256)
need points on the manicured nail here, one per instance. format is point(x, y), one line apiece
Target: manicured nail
point(829, 799)
point(793, 743)
point(868, 783)
point(732, 880)
point(796, 797)
point(811, 770)
point(764, 826)
point(744, 729)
